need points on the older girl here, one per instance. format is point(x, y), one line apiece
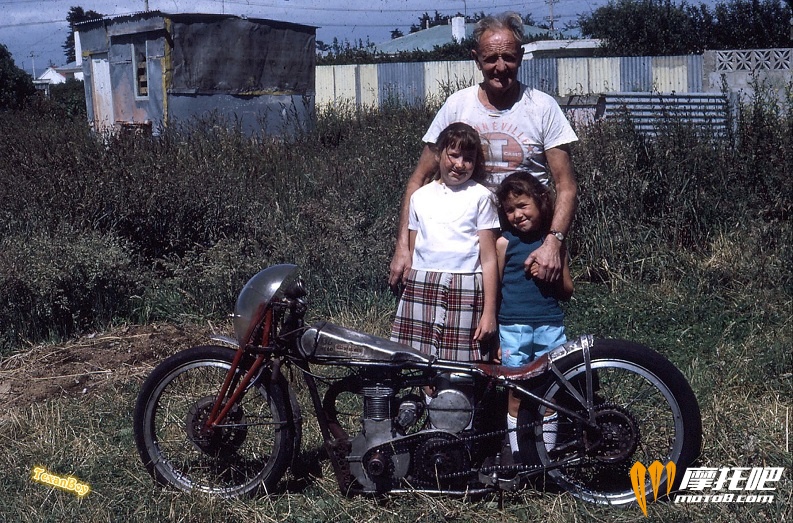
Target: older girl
point(448, 306)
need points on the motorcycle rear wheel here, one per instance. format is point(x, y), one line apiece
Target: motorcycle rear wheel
point(646, 411)
point(250, 451)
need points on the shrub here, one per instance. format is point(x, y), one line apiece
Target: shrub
point(200, 208)
point(56, 285)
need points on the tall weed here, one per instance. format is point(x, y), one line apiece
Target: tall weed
point(201, 207)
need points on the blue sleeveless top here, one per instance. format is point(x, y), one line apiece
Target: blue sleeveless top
point(523, 301)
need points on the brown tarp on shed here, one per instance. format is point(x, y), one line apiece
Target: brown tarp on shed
point(240, 56)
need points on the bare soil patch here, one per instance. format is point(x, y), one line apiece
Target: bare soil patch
point(90, 364)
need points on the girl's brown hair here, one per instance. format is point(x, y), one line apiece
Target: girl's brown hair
point(522, 183)
point(465, 138)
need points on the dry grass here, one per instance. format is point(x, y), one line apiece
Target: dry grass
point(90, 437)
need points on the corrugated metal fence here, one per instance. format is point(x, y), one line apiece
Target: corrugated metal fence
point(649, 112)
point(373, 84)
point(622, 86)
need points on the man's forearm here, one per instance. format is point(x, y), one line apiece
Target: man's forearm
point(564, 210)
point(561, 167)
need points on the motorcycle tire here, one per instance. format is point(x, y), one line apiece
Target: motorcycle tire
point(645, 411)
point(248, 453)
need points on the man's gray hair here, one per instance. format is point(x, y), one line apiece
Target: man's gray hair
point(511, 21)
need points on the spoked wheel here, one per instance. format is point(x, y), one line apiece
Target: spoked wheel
point(644, 410)
point(250, 449)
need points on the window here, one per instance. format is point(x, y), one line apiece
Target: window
point(139, 66)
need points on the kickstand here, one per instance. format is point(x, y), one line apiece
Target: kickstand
point(500, 499)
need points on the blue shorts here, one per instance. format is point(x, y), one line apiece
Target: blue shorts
point(522, 344)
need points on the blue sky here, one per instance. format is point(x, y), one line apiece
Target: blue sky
point(35, 30)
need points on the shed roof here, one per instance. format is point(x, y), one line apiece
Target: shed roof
point(561, 48)
point(145, 15)
point(428, 39)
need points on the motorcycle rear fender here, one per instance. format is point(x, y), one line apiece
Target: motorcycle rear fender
point(327, 342)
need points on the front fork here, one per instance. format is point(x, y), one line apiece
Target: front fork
point(233, 387)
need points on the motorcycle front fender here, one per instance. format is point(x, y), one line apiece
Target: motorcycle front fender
point(225, 340)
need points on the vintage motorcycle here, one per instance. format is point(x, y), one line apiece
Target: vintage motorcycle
point(225, 421)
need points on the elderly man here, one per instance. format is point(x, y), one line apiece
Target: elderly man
point(522, 128)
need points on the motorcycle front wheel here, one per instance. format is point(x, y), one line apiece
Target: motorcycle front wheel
point(248, 451)
point(644, 410)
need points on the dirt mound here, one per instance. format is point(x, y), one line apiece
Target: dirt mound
point(91, 363)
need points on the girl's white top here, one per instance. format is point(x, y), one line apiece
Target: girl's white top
point(447, 221)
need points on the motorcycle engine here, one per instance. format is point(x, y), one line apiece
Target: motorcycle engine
point(381, 454)
point(450, 410)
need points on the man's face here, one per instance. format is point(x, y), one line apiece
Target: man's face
point(498, 56)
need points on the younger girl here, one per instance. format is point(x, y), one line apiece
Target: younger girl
point(529, 318)
point(448, 306)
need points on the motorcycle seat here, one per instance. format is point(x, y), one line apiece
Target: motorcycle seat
point(525, 372)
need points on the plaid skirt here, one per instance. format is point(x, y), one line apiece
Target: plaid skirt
point(438, 314)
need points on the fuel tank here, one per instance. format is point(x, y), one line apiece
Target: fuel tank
point(328, 342)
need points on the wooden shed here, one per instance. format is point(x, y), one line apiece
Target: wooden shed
point(154, 69)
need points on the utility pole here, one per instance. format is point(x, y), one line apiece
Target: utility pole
point(551, 19)
point(33, 59)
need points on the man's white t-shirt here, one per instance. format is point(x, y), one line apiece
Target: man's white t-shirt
point(447, 221)
point(515, 139)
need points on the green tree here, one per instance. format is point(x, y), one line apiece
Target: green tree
point(426, 21)
point(16, 86)
point(642, 27)
point(69, 97)
point(751, 24)
point(76, 15)
point(660, 27)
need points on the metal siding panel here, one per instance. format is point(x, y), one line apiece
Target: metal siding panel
point(540, 74)
point(122, 79)
point(323, 84)
point(156, 64)
point(604, 75)
point(94, 41)
point(368, 93)
point(280, 115)
point(462, 74)
point(636, 73)
point(344, 83)
point(573, 76)
point(226, 54)
point(694, 73)
point(102, 92)
point(670, 74)
point(403, 82)
point(649, 111)
point(435, 75)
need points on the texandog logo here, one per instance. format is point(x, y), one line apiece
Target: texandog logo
point(656, 470)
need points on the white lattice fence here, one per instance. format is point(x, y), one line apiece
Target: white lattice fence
point(754, 60)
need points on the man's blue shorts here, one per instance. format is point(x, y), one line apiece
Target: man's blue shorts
point(522, 344)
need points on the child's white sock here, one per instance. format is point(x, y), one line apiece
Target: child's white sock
point(512, 423)
point(550, 425)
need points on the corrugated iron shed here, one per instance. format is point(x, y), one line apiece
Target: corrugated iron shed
point(154, 69)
